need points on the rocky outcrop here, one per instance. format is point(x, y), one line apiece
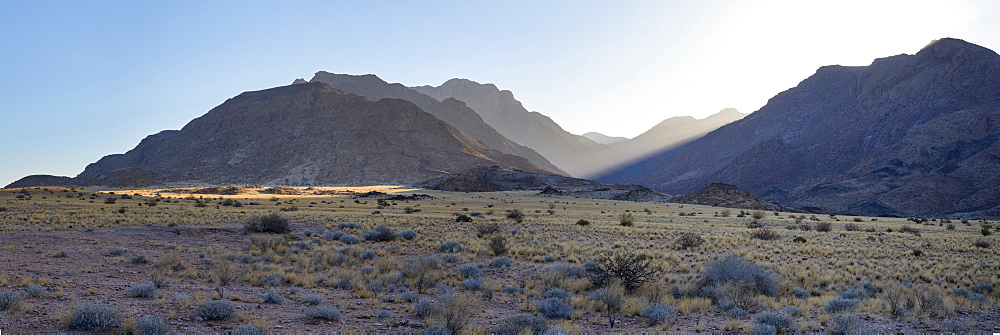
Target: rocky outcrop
point(449, 110)
point(906, 135)
point(725, 195)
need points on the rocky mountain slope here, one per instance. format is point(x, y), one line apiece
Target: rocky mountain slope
point(578, 155)
point(906, 135)
point(449, 110)
point(305, 134)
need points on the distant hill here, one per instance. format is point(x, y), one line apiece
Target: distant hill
point(604, 139)
point(652, 148)
point(495, 179)
point(906, 135)
point(725, 195)
point(578, 155)
point(449, 110)
point(676, 131)
point(302, 134)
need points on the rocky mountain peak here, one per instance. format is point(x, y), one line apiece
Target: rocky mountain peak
point(951, 47)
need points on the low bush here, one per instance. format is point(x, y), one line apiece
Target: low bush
point(349, 239)
point(840, 305)
point(450, 246)
point(380, 234)
point(521, 324)
point(845, 324)
point(557, 293)
point(473, 284)
point(764, 233)
point(117, 251)
point(216, 310)
point(791, 311)
point(779, 321)
point(801, 293)
point(626, 219)
point(271, 223)
point(150, 325)
point(9, 300)
point(469, 271)
point(324, 313)
point(93, 317)
point(312, 300)
point(582, 222)
point(348, 225)
point(763, 329)
point(516, 215)
point(145, 290)
point(425, 308)
point(824, 226)
point(500, 262)
point(658, 313)
point(31, 291)
point(406, 234)
point(249, 329)
point(690, 240)
point(272, 297)
point(554, 308)
point(751, 278)
point(489, 228)
point(140, 260)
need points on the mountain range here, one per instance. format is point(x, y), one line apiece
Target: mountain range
point(906, 135)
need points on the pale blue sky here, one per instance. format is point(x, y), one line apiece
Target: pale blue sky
point(83, 79)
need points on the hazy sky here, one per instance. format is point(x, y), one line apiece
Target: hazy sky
point(83, 79)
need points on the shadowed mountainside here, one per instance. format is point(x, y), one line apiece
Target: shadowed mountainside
point(906, 135)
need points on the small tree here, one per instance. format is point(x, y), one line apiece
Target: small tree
point(454, 311)
point(630, 269)
point(613, 297)
point(498, 245)
point(757, 215)
point(223, 273)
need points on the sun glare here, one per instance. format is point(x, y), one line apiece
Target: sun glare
point(855, 41)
